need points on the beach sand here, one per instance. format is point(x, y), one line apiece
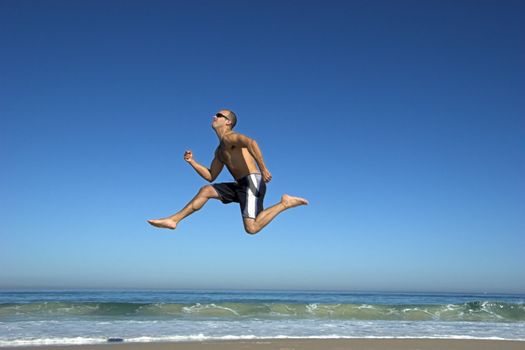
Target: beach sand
point(306, 344)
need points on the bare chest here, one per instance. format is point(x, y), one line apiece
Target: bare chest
point(229, 154)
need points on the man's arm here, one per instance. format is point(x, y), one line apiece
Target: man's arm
point(208, 174)
point(241, 140)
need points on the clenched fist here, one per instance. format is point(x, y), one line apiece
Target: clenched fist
point(188, 156)
point(267, 176)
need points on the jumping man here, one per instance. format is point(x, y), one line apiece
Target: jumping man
point(244, 160)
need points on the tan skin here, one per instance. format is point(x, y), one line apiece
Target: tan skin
point(241, 156)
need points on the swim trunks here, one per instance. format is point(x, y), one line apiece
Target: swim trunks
point(248, 191)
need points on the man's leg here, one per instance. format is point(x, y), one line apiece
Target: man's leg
point(253, 226)
point(195, 204)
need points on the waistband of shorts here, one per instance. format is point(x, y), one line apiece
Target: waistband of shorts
point(244, 177)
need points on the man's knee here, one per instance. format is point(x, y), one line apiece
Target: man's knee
point(208, 191)
point(251, 227)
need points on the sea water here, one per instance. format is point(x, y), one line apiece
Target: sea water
point(91, 317)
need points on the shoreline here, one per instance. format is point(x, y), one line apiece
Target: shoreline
point(299, 344)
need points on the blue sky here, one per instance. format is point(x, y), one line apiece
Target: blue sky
point(402, 122)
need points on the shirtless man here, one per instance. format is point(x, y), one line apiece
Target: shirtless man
point(244, 160)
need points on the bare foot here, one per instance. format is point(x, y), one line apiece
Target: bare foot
point(164, 223)
point(290, 202)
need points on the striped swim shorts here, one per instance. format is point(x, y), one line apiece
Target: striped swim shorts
point(248, 191)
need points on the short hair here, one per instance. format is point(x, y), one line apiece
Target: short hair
point(232, 117)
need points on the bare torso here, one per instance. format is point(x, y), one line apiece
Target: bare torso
point(237, 159)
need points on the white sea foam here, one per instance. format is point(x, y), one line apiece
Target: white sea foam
point(51, 341)
point(161, 331)
point(198, 308)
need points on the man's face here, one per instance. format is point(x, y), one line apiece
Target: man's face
point(220, 119)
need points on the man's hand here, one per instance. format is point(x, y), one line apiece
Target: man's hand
point(267, 177)
point(188, 156)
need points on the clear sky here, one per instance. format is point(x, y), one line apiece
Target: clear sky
point(401, 121)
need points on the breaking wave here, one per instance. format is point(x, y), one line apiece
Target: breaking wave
point(473, 311)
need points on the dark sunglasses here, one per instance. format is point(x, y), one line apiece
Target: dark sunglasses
point(220, 115)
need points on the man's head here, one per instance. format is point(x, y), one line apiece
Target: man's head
point(225, 117)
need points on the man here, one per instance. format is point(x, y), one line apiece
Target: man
point(244, 160)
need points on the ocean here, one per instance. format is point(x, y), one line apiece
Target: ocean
point(95, 316)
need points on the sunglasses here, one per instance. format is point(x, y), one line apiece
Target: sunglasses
point(220, 115)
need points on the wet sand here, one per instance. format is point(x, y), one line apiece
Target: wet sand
point(304, 344)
